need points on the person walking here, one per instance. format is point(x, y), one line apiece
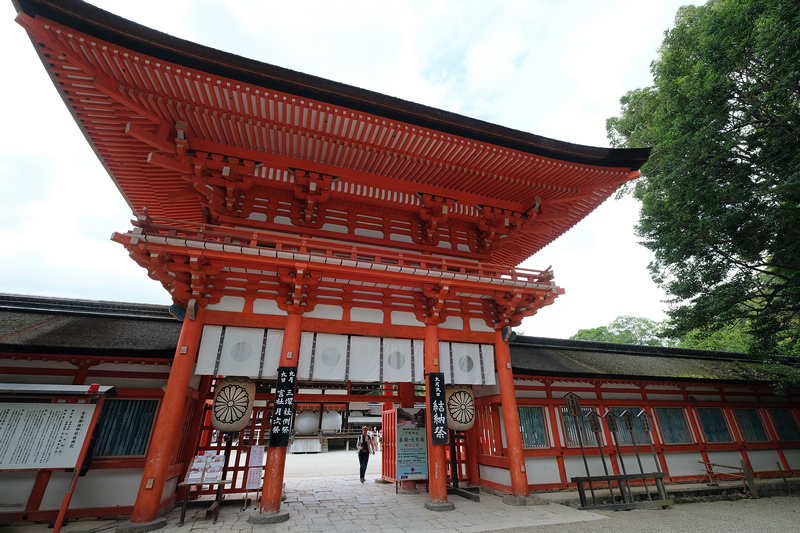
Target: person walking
point(365, 447)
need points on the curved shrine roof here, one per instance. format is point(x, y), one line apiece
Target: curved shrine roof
point(156, 109)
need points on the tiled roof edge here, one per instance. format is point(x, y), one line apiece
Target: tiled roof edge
point(15, 302)
point(640, 349)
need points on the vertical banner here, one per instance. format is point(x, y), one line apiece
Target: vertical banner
point(284, 406)
point(436, 392)
point(412, 452)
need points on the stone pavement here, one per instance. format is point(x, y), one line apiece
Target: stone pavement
point(343, 504)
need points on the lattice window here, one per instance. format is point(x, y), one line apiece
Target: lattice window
point(751, 424)
point(532, 427)
point(570, 433)
point(124, 426)
point(785, 423)
point(673, 425)
point(713, 423)
point(623, 435)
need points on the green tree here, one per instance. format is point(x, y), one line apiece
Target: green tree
point(720, 193)
point(627, 330)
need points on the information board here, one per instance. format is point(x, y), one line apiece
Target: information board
point(206, 468)
point(412, 449)
point(42, 435)
point(255, 467)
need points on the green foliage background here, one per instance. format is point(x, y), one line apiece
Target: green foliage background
point(720, 193)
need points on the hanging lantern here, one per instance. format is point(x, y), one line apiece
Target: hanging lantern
point(233, 403)
point(460, 407)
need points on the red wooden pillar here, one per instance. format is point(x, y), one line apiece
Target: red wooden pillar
point(276, 456)
point(508, 398)
point(167, 430)
point(437, 468)
point(472, 454)
point(405, 393)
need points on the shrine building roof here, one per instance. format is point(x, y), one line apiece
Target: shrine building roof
point(203, 136)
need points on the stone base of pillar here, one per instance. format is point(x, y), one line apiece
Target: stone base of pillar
point(142, 527)
point(268, 518)
point(447, 506)
point(520, 501)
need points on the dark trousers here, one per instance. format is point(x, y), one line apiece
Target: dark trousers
point(363, 459)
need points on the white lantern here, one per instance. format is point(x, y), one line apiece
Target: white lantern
point(460, 407)
point(233, 403)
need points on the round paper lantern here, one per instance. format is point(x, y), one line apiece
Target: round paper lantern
point(306, 423)
point(460, 407)
point(233, 404)
point(331, 421)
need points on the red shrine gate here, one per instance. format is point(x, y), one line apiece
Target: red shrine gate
point(278, 206)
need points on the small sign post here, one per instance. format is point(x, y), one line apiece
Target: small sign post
point(648, 427)
point(630, 420)
point(597, 427)
point(613, 427)
point(573, 405)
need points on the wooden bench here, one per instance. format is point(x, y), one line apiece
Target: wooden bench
point(739, 472)
point(622, 482)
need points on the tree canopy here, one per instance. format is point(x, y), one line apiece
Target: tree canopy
point(721, 190)
point(627, 330)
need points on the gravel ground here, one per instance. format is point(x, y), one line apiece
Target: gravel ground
point(765, 515)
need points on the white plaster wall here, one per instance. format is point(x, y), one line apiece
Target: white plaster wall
point(621, 396)
point(708, 397)
point(234, 304)
point(478, 324)
point(37, 379)
point(667, 397)
point(453, 322)
point(731, 398)
point(364, 232)
point(684, 463)
point(127, 383)
point(267, 307)
point(763, 460)
point(360, 314)
point(574, 466)
point(15, 489)
point(481, 391)
point(542, 470)
point(402, 318)
point(495, 474)
point(532, 394)
point(632, 465)
point(793, 458)
point(332, 312)
point(729, 458)
point(98, 488)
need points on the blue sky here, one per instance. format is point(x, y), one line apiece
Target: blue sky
point(552, 68)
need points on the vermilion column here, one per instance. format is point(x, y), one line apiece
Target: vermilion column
point(167, 430)
point(276, 456)
point(508, 398)
point(437, 469)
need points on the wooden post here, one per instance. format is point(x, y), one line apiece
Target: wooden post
point(276, 456)
point(166, 433)
point(437, 468)
point(516, 459)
